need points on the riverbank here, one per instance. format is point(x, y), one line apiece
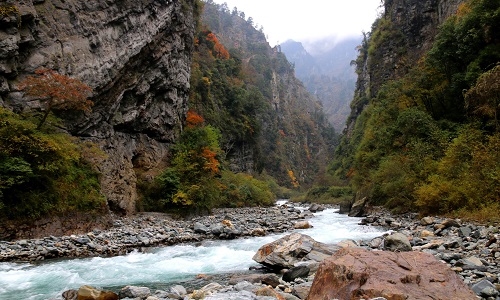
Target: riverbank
point(153, 230)
point(471, 250)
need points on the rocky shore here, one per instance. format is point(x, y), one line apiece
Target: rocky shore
point(470, 251)
point(155, 229)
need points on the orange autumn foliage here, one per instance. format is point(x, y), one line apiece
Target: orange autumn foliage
point(212, 164)
point(293, 179)
point(193, 119)
point(219, 49)
point(56, 91)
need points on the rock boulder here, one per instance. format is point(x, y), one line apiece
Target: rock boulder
point(397, 242)
point(358, 208)
point(291, 249)
point(87, 292)
point(355, 273)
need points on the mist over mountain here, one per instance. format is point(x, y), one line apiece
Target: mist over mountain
point(327, 73)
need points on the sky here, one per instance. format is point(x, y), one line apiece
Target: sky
point(310, 20)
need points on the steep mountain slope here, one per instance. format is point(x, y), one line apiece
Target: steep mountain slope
point(136, 57)
point(268, 120)
point(328, 75)
point(423, 132)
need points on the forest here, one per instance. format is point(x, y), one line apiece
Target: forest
point(428, 140)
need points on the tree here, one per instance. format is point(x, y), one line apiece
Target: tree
point(56, 91)
point(483, 99)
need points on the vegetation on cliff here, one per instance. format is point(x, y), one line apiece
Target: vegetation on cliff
point(427, 139)
point(44, 171)
point(256, 102)
point(251, 126)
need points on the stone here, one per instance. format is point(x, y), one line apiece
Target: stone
point(486, 289)
point(270, 292)
point(200, 228)
point(206, 290)
point(397, 242)
point(258, 232)
point(450, 223)
point(295, 272)
point(177, 292)
point(464, 231)
point(426, 233)
point(134, 292)
point(291, 249)
point(354, 273)
point(216, 229)
point(241, 295)
point(244, 286)
point(70, 295)
point(302, 225)
point(302, 290)
point(425, 221)
point(315, 208)
point(470, 261)
point(357, 209)
point(347, 243)
point(376, 242)
point(267, 279)
point(87, 292)
point(345, 207)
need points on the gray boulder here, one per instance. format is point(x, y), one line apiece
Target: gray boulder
point(200, 228)
point(358, 208)
point(296, 272)
point(315, 208)
point(397, 242)
point(485, 289)
point(427, 221)
point(140, 292)
point(302, 290)
point(291, 249)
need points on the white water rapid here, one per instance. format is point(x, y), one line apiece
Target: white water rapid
point(161, 267)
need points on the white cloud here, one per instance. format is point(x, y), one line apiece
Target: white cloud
point(308, 20)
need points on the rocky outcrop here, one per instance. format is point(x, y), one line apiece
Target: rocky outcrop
point(355, 273)
point(136, 57)
point(292, 249)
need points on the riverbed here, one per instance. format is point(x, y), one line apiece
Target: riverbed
point(162, 267)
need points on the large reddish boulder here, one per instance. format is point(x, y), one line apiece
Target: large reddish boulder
point(354, 273)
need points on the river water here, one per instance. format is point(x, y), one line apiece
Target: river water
point(161, 267)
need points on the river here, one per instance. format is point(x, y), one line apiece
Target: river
point(162, 267)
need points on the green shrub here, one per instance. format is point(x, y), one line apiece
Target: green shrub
point(43, 173)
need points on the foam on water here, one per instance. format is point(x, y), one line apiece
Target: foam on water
point(162, 265)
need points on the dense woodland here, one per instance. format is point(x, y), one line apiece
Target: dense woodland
point(429, 139)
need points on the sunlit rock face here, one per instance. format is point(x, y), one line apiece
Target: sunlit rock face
point(136, 57)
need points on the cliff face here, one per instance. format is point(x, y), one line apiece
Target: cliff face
point(412, 26)
point(136, 57)
point(287, 133)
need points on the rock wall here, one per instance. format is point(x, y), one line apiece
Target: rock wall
point(416, 23)
point(136, 57)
